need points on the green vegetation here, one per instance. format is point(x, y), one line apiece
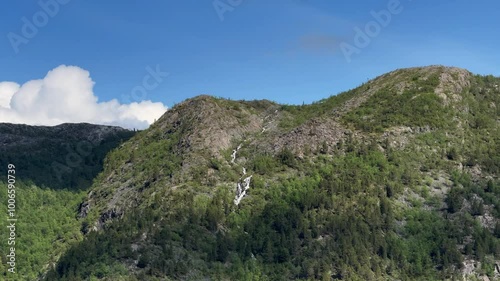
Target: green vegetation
point(46, 227)
point(300, 114)
point(416, 107)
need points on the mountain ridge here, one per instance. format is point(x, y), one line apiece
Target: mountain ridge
point(80, 148)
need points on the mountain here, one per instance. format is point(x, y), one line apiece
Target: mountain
point(54, 166)
point(63, 156)
point(396, 179)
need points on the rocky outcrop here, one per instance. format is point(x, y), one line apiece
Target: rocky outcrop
point(310, 135)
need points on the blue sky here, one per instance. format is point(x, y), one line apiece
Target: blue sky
point(283, 50)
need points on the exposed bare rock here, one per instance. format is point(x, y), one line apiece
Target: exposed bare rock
point(209, 125)
point(108, 215)
point(83, 209)
point(312, 135)
point(453, 81)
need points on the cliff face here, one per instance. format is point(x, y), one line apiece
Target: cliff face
point(355, 186)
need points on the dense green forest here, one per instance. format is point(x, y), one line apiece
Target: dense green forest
point(46, 226)
point(340, 212)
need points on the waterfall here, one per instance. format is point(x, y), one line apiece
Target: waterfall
point(241, 186)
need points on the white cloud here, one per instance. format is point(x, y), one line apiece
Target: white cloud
point(65, 95)
point(7, 90)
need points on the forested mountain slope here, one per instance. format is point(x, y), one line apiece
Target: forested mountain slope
point(63, 156)
point(394, 180)
point(53, 168)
